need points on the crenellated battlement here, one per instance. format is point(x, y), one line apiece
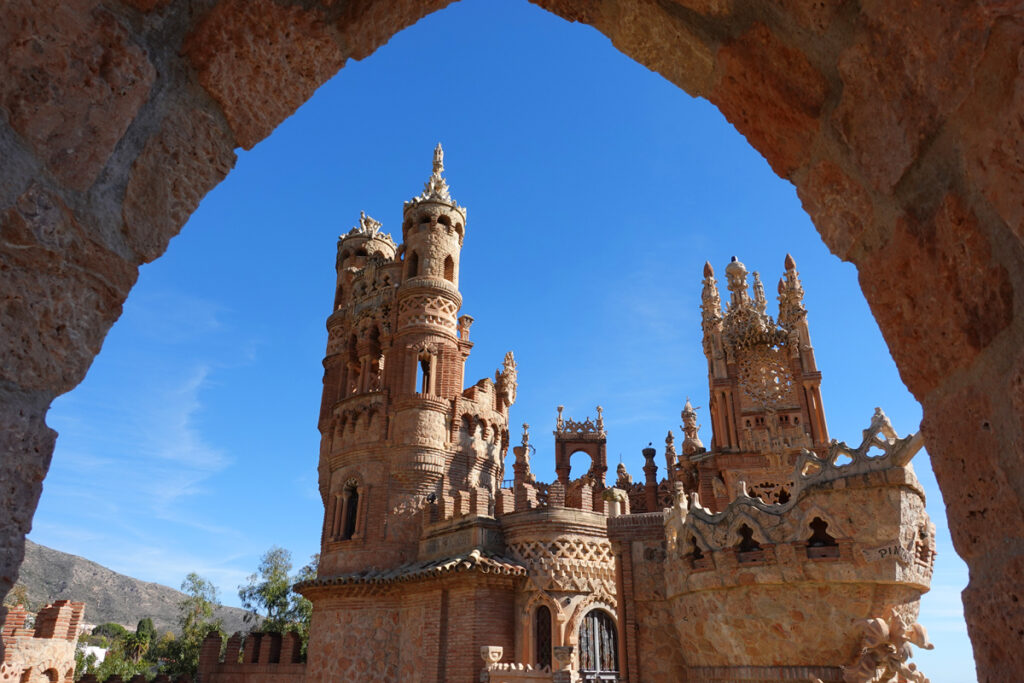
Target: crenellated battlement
point(254, 658)
point(46, 651)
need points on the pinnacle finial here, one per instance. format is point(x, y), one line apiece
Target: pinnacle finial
point(439, 159)
point(436, 188)
point(708, 270)
point(790, 263)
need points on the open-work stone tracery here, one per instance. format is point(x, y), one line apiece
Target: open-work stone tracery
point(899, 124)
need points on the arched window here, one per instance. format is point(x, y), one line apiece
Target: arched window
point(376, 377)
point(352, 381)
point(598, 647)
point(821, 543)
point(542, 635)
point(413, 262)
point(424, 372)
point(350, 499)
point(449, 269)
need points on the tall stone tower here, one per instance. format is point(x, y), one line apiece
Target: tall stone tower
point(764, 387)
point(403, 446)
point(393, 404)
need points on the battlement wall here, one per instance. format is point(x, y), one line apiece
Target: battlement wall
point(254, 658)
point(47, 650)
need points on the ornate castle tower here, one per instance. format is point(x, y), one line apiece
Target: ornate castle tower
point(396, 426)
point(764, 386)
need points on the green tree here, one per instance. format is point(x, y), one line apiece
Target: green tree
point(195, 618)
point(145, 626)
point(135, 645)
point(268, 591)
point(269, 598)
point(110, 630)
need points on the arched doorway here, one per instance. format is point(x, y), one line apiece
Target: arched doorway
point(598, 647)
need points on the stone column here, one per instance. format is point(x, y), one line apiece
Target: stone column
point(651, 479)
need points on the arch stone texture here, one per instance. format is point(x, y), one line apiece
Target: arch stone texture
point(900, 123)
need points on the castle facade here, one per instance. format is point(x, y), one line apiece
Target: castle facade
point(774, 553)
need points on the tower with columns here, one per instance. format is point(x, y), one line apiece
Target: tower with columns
point(764, 389)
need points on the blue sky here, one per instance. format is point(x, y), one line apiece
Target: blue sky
point(596, 190)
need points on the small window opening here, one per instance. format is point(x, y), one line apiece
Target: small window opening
point(542, 635)
point(414, 265)
point(424, 373)
point(747, 542)
point(361, 252)
point(821, 543)
point(351, 498)
point(449, 269)
point(820, 538)
point(696, 554)
point(444, 220)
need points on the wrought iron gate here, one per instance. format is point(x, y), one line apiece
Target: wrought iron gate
point(598, 647)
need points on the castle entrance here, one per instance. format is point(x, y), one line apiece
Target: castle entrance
point(598, 647)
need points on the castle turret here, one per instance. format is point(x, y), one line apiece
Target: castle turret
point(433, 227)
point(397, 427)
point(765, 402)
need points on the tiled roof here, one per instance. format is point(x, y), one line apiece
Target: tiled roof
point(475, 560)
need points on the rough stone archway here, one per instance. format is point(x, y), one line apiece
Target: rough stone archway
point(900, 123)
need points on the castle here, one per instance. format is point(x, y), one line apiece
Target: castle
point(773, 554)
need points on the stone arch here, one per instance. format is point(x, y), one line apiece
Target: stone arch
point(743, 519)
point(835, 526)
point(901, 166)
point(599, 600)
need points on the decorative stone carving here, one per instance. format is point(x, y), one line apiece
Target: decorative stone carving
point(506, 380)
point(623, 479)
point(886, 651)
point(491, 654)
point(568, 564)
point(692, 443)
point(791, 297)
point(765, 377)
point(569, 426)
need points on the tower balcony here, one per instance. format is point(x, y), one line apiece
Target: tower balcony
point(853, 543)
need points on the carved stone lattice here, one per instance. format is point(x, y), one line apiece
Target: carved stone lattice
point(568, 564)
point(771, 492)
point(765, 379)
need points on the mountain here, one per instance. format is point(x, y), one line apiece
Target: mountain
point(50, 575)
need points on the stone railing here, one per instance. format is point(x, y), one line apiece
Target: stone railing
point(496, 671)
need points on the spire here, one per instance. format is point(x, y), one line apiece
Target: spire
point(436, 188)
point(691, 443)
point(791, 296)
point(711, 307)
point(759, 298)
point(736, 274)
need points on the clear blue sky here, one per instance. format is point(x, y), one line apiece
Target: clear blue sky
point(596, 190)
